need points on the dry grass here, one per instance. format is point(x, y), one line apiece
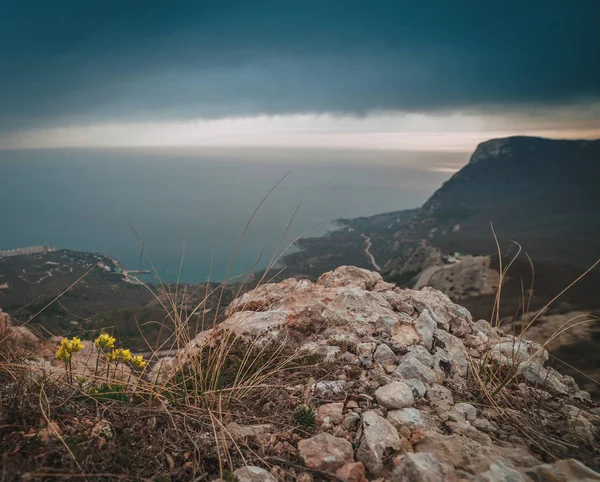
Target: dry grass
point(161, 427)
point(161, 431)
point(532, 413)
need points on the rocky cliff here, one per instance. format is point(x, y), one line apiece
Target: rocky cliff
point(540, 192)
point(415, 390)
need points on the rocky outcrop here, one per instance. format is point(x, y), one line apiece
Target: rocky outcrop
point(19, 335)
point(406, 398)
point(471, 276)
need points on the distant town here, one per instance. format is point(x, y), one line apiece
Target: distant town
point(26, 250)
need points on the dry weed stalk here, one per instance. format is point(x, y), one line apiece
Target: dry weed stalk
point(493, 380)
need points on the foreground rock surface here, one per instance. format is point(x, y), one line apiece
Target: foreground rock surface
point(402, 404)
point(407, 396)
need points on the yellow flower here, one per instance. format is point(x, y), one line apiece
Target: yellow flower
point(119, 354)
point(138, 362)
point(76, 344)
point(125, 355)
point(68, 347)
point(63, 353)
point(105, 341)
point(111, 356)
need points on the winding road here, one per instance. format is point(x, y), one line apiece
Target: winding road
point(368, 252)
point(425, 276)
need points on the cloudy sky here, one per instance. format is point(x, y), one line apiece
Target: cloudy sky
point(376, 74)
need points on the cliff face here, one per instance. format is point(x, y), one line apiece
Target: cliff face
point(404, 398)
point(540, 192)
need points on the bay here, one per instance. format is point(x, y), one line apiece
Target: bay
point(196, 203)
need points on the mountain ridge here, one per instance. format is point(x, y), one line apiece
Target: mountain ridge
point(535, 190)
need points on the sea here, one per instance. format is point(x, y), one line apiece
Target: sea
point(199, 214)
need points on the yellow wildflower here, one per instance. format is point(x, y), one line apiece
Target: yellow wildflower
point(138, 362)
point(125, 355)
point(119, 354)
point(63, 353)
point(68, 347)
point(111, 356)
point(105, 341)
point(76, 344)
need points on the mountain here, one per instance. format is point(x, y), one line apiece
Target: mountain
point(541, 193)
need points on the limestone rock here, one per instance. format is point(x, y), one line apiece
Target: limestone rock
point(421, 467)
point(420, 353)
point(455, 351)
point(519, 350)
point(351, 421)
point(440, 397)
point(350, 276)
point(484, 425)
point(325, 452)
point(568, 470)
point(407, 417)
point(413, 368)
point(376, 437)
point(473, 456)
point(20, 335)
point(500, 472)
point(405, 335)
point(330, 413)
point(329, 388)
point(425, 326)
point(353, 472)
point(395, 395)
point(406, 347)
point(236, 432)
point(468, 411)
point(542, 377)
point(384, 355)
point(417, 386)
point(250, 473)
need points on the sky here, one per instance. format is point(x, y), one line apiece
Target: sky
point(431, 75)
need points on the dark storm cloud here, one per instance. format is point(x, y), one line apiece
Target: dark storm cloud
point(73, 61)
